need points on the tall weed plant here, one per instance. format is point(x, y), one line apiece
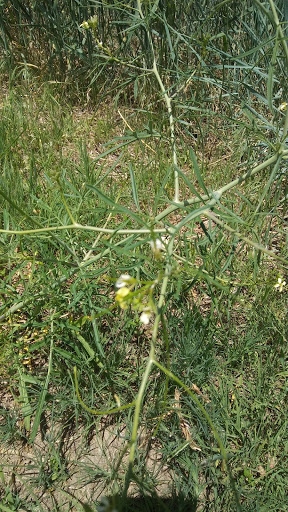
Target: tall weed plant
point(200, 68)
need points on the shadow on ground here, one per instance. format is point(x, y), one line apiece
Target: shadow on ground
point(145, 504)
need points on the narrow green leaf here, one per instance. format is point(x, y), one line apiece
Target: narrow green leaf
point(6, 222)
point(5, 509)
point(24, 399)
point(136, 89)
point(90, 350)
point(114, 149)
point(42, 398)
point(134, 187)
point(67, 355)
point(30, 380)
point(188, 183)
point(155, 6)
point(197, 171)
point(270, 80)
point(172, 53)
point(111, 169)
point(270, 86)
point(117, 207)
point(80, 321)
point(86, 345)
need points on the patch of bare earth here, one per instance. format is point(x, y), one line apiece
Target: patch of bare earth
point(36, 475)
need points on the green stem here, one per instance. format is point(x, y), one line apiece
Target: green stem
point(97, 412)
point(36, 223)
point(172, 131)
point(189, 202)
point(151, 357)
point(220, 191)
point(278, 26)
point(59, 282)
point(66, 206)
point(169, 109)
point(84, 228)
point(285, 48)
point(257, 246)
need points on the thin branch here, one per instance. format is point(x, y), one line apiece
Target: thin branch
point(84, 228)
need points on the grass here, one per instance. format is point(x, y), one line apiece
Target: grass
point(206, 379)
point(231, 345)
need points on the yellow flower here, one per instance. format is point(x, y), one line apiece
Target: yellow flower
point(283, 106)
point(121, 296)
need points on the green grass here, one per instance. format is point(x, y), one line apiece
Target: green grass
point(228, 336)
point(206, 379)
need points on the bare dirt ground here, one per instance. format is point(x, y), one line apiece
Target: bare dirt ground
point(64, 468)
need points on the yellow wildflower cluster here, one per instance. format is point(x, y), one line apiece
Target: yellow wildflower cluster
point(125, 296)
point(91, 23)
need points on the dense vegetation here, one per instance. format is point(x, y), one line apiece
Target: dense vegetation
point(143, 249)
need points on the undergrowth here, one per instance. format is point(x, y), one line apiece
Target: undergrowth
point(143, 260)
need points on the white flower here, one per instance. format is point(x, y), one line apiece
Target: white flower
point(280, 284)
point(85, 25)
point(145, 316)
point(156, 245)
point(123, 280)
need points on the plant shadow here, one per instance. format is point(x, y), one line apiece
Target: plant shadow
point(179, 503)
